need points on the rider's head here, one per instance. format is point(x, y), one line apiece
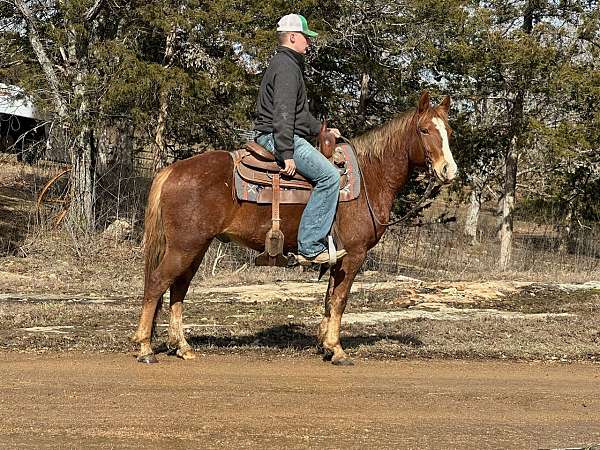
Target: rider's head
point(293, 32)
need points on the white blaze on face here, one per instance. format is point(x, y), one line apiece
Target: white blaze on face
point(451, 168)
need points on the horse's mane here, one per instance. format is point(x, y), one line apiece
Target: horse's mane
point(374, 143)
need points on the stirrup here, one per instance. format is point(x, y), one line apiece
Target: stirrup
point(332, 251)
point(333, 256)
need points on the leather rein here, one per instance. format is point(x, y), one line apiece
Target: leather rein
point(420, 204)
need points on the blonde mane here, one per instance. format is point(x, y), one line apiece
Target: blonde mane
point(373, 144)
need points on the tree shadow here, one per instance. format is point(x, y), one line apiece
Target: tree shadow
point(296, 337)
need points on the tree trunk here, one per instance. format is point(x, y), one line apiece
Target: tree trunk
point(566, 233)
point(83, 155)
point(82, 152)
point(512, 156)
point(508, 205)
point(42, 57)
point(470, 230)
point(498, 216)
point(160, 157)
point(83, 182)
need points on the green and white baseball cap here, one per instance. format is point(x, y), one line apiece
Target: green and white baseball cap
point(295, 22)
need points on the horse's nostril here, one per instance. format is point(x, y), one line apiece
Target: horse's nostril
point(445, 170)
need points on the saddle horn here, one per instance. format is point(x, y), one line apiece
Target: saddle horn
point(326, 140)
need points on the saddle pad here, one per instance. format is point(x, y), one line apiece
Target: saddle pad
point(250, 192)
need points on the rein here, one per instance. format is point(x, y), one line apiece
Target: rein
point(420, 204)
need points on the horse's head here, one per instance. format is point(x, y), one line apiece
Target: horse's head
point(434, 133)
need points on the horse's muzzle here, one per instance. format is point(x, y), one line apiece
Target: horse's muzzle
point(446, 173)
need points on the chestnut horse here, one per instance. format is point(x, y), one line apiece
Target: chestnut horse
point(190, 203)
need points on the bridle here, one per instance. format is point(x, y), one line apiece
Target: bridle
point(432, 186)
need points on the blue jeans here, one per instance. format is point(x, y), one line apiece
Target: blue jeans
point(319, 213)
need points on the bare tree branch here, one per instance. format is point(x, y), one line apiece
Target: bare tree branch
point(6, 65)
point(93, 12)
point(42, 57)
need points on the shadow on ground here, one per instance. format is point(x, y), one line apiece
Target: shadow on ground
point(295, 337)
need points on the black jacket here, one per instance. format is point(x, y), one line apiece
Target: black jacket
point(282, 105)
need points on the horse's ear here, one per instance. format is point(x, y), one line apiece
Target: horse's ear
point(445, 105)
point(424, 104)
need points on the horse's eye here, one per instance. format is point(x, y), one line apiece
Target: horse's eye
point(424, 130)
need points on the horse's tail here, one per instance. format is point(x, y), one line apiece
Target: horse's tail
point(154, 234)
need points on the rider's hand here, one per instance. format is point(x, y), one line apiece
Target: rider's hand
point(335, 132)
point(290, 168)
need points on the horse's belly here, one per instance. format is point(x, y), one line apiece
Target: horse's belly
point(251, 223)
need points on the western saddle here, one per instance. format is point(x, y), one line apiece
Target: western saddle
point(259, 166)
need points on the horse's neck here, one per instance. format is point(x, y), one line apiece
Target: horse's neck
point(387, 175)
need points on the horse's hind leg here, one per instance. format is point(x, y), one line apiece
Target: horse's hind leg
point(174, 264)
point(179, 288)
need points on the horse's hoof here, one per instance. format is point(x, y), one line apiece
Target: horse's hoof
point(147, 359)
point(342, 362)
point(171, 350)
point(327, 355)
point(187, 354)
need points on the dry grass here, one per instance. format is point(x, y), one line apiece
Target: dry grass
point(442, 251)
point(288, 327)
point(435, 251)
point(444, 254)
point(38, 259)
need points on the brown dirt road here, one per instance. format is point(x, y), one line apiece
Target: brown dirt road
point(74, 400)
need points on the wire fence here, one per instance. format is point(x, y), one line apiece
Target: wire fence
point(122, 187)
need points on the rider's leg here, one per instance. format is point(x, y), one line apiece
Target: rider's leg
point(320, 210)
point(319, 213)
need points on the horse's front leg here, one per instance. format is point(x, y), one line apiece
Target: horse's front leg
point(340, 282)
point(323, 326)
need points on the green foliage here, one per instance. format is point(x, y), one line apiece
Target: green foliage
point(370, 61)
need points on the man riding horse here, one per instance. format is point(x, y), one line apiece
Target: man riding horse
point(284, 124)
point(185, 211)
